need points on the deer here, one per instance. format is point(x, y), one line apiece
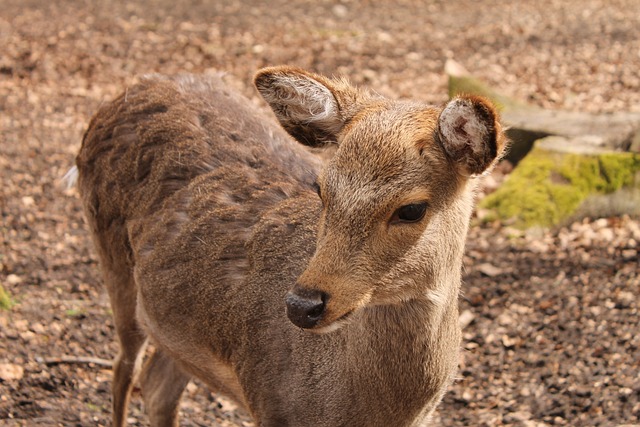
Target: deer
point(312, 291)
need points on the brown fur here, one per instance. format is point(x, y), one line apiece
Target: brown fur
point(204, 215)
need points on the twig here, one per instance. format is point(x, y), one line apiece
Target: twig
point(72, 359)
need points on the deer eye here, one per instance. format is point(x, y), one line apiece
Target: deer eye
point(410, 213)
point(316, 187)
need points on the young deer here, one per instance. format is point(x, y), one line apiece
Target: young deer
point(314, 295)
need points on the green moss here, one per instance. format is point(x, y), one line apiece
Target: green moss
point(75, 312)
point(5, 300)
point(548, 187)
point(94, 408)
point(471, 86)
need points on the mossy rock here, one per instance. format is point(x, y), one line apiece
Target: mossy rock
point(567, 163)
point(5, 300)
point(549, 186)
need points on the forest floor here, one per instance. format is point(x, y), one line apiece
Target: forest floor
point(553, 322)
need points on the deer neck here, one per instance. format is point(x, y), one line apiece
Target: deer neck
point(404, 356)
point(415, 324)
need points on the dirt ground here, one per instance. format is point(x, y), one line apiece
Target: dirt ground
point(553, 323)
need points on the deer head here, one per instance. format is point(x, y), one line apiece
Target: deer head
point(395, 205)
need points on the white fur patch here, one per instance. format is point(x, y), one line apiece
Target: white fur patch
point(460, 125)
point(71, 177)
point(330, 328)
point(438, 297)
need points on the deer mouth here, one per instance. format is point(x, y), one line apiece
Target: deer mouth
point(334, 325)
point(345, 316)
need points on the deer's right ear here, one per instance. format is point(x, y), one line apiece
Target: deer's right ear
point(305, 104)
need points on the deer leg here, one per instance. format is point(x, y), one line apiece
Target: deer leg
point(162, 383)
point(122, 293)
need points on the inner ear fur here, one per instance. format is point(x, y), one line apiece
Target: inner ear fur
point(470, 133)
point(312, 108)
point(306, 104)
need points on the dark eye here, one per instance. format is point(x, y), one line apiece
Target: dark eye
point(316, 186)
point(410, 213)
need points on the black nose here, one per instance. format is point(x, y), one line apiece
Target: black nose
point(305, 307)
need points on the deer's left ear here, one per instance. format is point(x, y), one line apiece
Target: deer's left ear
point(471, 135)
